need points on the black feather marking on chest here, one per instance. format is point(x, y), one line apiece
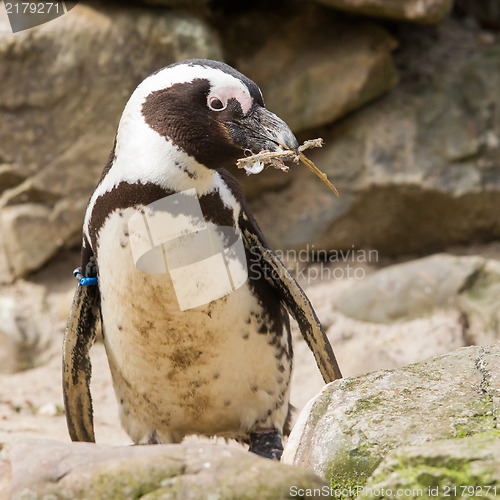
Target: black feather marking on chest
point(126, 195)
point(215, 211)
point(122, 196)
point(180, 113)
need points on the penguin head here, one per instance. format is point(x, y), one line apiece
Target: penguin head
point(206, 110)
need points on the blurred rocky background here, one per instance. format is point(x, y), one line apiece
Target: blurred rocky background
point(402, 267)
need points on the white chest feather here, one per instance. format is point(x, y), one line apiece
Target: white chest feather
point(205, 370)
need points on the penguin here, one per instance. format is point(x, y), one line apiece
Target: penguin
point(220, 368)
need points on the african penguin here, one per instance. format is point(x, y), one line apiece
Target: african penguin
point(218, 369)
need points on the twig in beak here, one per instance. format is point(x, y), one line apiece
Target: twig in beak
point(311, 166)
point(276, 159)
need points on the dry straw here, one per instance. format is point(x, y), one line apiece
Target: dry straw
point(255, 163)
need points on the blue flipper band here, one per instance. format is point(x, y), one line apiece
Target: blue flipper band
point(88, 281)
point(77, 273)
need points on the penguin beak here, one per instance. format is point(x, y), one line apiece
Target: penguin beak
point(262, 130)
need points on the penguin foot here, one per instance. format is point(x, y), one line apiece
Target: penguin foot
point(267, 444)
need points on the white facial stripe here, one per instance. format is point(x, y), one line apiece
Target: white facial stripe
point(185, 73)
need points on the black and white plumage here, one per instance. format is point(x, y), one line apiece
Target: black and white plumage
point(221, 369)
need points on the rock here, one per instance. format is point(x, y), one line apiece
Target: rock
point(64, 86)
point(396, 315)
point(28, 238)
point(25, 327)
point(400, 314)
point(487, 12)
point(469, 285)
point(419, 11)
point(312, 66)
point(48, 410)
point(9, 177)
point(479, 301)
point(196, 471)
point(410, 290)
point(365, 347)
point(33, 314)
point(354, 423)
point(178, 4)
point(471, 464)
point(417, 171)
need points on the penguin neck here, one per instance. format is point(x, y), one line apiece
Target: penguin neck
point(181, 172)
point(144, 156)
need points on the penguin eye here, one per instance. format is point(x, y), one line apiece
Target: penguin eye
point(215, 104)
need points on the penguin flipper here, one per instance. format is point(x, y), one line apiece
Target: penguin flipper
point(292, 296)
point(77, 369)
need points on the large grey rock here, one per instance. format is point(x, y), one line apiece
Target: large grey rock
point(417, 171)
point(410, 290)
point(64, 86)
point(468, 285)
point(362, 347)
point(28, 236)
point(487, 12)
point(434, 469)
point(312, 66)
point(353, 424)
point(51, 469)
point(414, 328)
point(419, 11)
point(365, 347)
point(179, 4)
point(479, 301)
point(25, 327)
point(400, 314)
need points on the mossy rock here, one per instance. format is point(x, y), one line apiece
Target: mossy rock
point(354, 424)
point(455, 468)
point(64, 471)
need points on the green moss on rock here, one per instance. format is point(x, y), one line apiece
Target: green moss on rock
point(130, 483)
point(366, 404)
point(352, 468)
point(455, 468)
point(356, 424)
point(319, 409)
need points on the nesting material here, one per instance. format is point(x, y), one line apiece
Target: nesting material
point(254, 164)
